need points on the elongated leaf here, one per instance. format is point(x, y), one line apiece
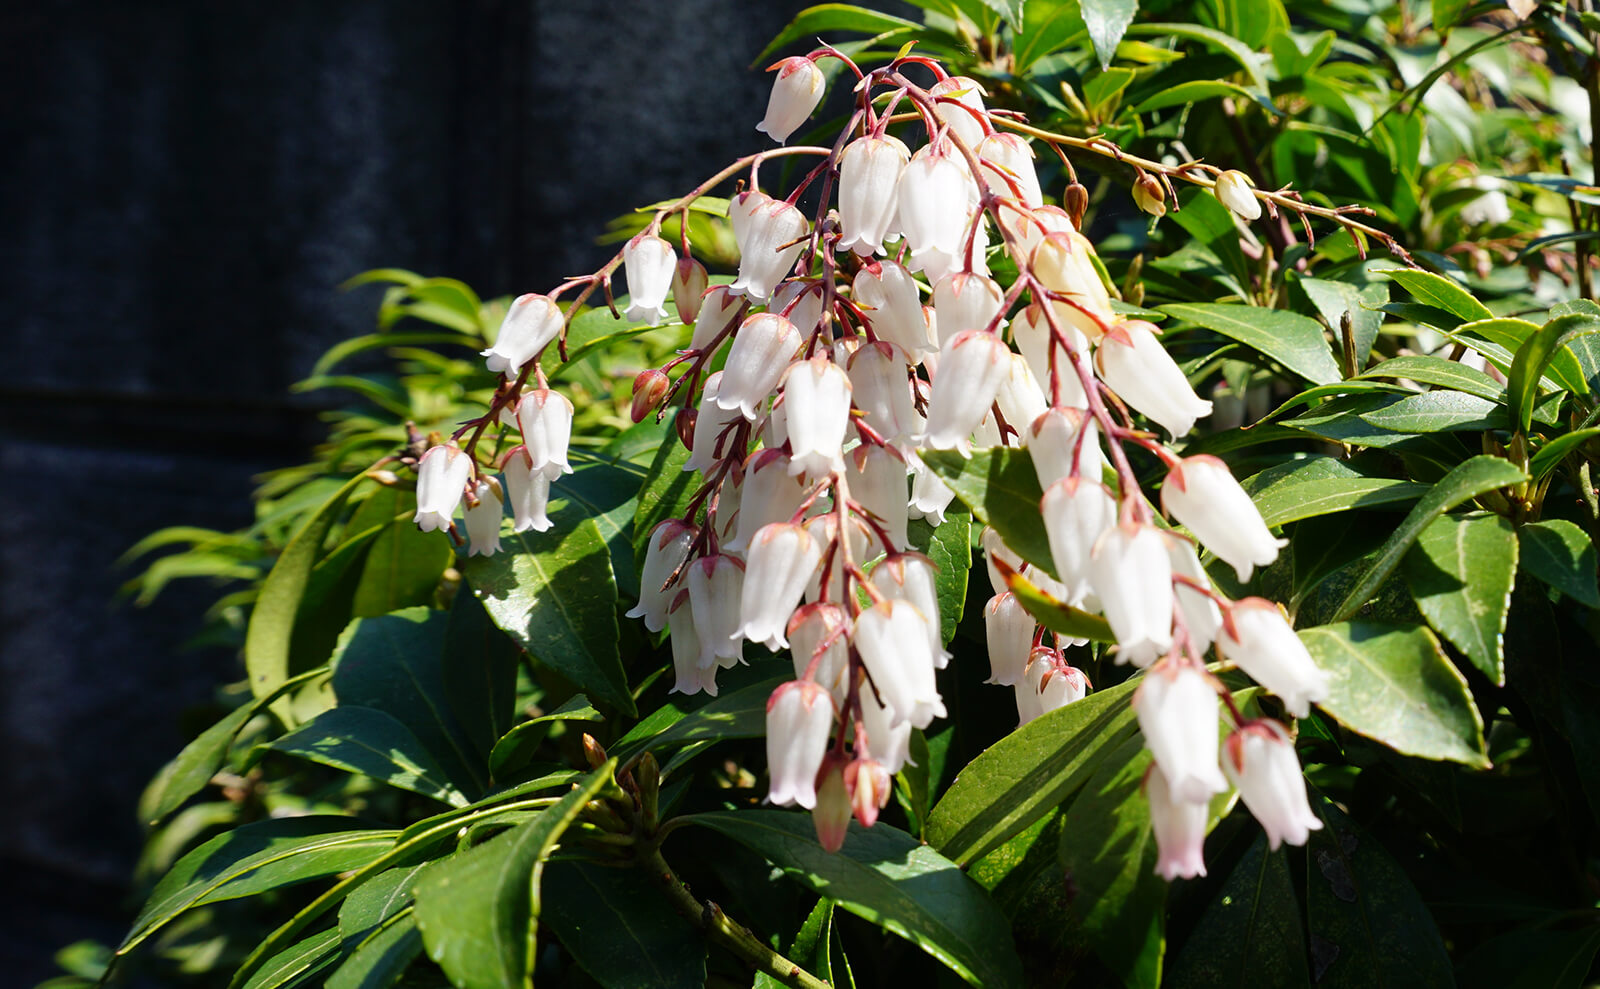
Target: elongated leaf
point(1438, 291)
point(1297, 342)
point(1440, 412)
point(827, 17)
point(1026, 774)
point(1468, 480)
point(1320, 485)
point(665, 493)
point(1532, 959)
point(1058, 616)
point(888, 878)
point(1213, 38)
point(298, 963)
point(1392, 684)
point(1002, 489)
point(1438, 371)
point(1106, 21)
point(1333, 299)
point(1250, 934)
point(479, 910)
point(620, 928)
point(382, 957)
point(1537, 353)
point(514, 748)
point(1198, 90)
point(404, 565)
point(950, 548)
point(480, 675)
point(1563, 556)
point(554, 593)
point(371, 743)
point(1552, 453)
point(603, 491)
point(810, 948)
point(740, 714)
point(1010, 10)
point(378, 900)
point(1461, 572)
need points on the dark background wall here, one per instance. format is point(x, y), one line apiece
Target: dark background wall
point(182, 184)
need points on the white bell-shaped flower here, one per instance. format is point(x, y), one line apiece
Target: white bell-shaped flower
point(1064, 442)
point(1200, 492)
point(1135, 365)
point(1259, 759)
point(442, 475)
point(1007, 161)
point(761, 352)
point(774, 429)
point(1077, 512)
point(1200, 612)
point(689, 281)
point(649, 263)
point(824, 528)
point(664, 556)
point(1056, 683)
point(816, 394)
point(1233, 190)
point(796, 91)
point(690, 676)
point(769, 233)
point(881, 389)
point(781, 560)
point(888, 295)
point(545, 419)
point(965, 124)
point(716, 590)
point(1008, 631)
point(1177, 710)
point(1020, 400)
point(800, 302)
point(930, 496)
point(719, 306)
point(800, 718)
point(723, 515)
point(1257, 639)
point(965, 301)
point(1031, 331)
point(888, 742)
point(1064, 264)
point(770, 493)
point(530, 324)
point(1029, 706)
point(1131, 573)
point(528, 490)
point(710, 426)
point(869, 178)
point(877, 480)
point(911, 577)
point(820, 648)
point(1027, 229)
point(893, 639)
point(936, 198)
point(995, 548)
point(972, 366)
point(483, 518)
point(1180, 829)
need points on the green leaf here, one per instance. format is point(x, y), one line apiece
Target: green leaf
point(1297, 342)
point(823, 18)
point(1058, 616)
point(297, 963)
point(1321, 485)
point(1029, 772)
point(1563, 556)
point(479, 910)
point(554, 593)
point(950, 548)
point(604, 491)
point(378, 900)
point(888, 878)
point(1333, 299)
point(1552, 453)
point(1447, 13)
point(1440, 412)
point(620, 928)
point(254, 858)
point(1468, 480)
point(267, 656)
point(514, 748)
point(665, 494)
point(374, 744)
point(1251, 933)
point(741, 714)
point(1047, 32)
point(1011, 10)
point(1532, 959)
point(480, 666)
point(1215, 39)
point(1198, 90)
point(1536, 353)
point(1002, 489)
point(1106, 21)
point(405, 564)
point(1438, 371)
point(382, 957)
point(811, 947)
point(1461, 572)
point(1438, 291)
point(1392, 684)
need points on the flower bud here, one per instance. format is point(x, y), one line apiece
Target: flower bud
point(1064, 264)
point(1076, 202)
point(769, 233)
point(689, 282)
point(965, 124)
point(762, 349)
point(1259, 759)
point(528, 491)
point(1257, 639)
point(796, 91)
point(664, 555)
point(1131, 574)
point(1200, 612)
point(545, 419)
point(1200, 492)
point(1064, 443)
point(816, 393)
point(1031, 331)
point(483, 518)
point(716, 586)
point(881, 389)
point(1180, 828)
point(442, 475)
point(821, 628)
point(1135, 366)
point(1177, 710)
point(782, 558)
point(888, 743)
point(684, 425)
point(685, 638)
point(1233, 191)
point(831, 815)
point(1009, 631)
point(893, 640)
point(719, 306)
point(869, 784)
point(910, 577)
point(771, 493)
point(799, 720)
point(1077, 512)
point(1149, 196)
point(1007, 162)
point(649, 389)
point(649, 263)
point(877, 480)
point(965, 301)
point(888, 295)
point(530, 324)
point(869, 176)
point(972, 366)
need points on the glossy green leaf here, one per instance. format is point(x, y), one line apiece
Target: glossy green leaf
point(664, 495)
point(382, 957)
point(603, 491)
point(620, 928)
point(516, 746)
point(828, 17)
point(1197, 90)
point(1392, 684)
point(1440, 412)
point(405, 564)
point(1251, 933)
point(1447, 13)
point(554, 593)
point(1002, 489)
point(479, 910)
point(811, 948)
point(1058, 616)
point(1056, 28)
point(1552, 453)
point(1531, 959)
point(298, 963)
point(370, 743)
point(378, 900)
point(1563, 556)
point(1322, 485)
point(480, 675)
point(890, 879)
point(1212, 38)
point(1333, 299)
point(1461, 572)
point(1106, 21)
point(949, 546)
point(1439, 371)
point(1468, 480)
point(1438, 291)
point(740, 714)
point(1011, 10)
point(1026, 774)
point(1297, 342)
point(1537, 353)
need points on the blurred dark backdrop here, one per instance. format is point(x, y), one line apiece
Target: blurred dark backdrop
point(183, 183)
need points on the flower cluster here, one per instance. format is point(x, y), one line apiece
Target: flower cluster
point(853, 342)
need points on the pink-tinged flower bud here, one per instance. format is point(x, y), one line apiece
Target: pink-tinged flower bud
point(910, 577)
point(935, 199)
point(888, 295)
point(711, 422)
point(1020, 400)
point(881, 389)
point(530, 324)
point(771, 493)
point(1149, 195)
point(649, 263)
point(869, 177)
point(877, 480)
point(1177, 710)
point(806, 299)
point(816, 393)
point(1078, 512)
point(441, 481)
point(1180, 827)
point(691, 676)
point(1135, 365)
point(1031, 331)
point(821, 628)
point(683, 425)
point(1200, 492)
point(965, 301)
point(716, 586)
point(972, 365)
point(1131, 574)
point(719, 306)
point(799, 720)
point(930, 496)
point(893, 640)
point(1064, 442)
point(1259, 759)
point(664, 554)
point(888, 743)
point(965, 125)
point(869, 785)
point(689, 281)
point(796, 91)
point(528, 491)
point(1064, 264)
point(1200, 613)
point(831, 815)
point(1257, 639)
point(649, 389)
point(1233, 191)
point(782, 558)
point(993, 547)
point(1009, 631)
point(545, 418)
point(761, 352)
point(1007, 162)
point(483, 518)
point(1060, 685)
point(769, 233)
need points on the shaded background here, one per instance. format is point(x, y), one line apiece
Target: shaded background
point(182, 186)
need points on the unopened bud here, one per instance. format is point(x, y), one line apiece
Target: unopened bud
point(688, 285)
point(1233, 191)
point(387, 478)
point(593, 751)
point(647, 774)
point(684, 424)
point(1076, 202)
point(1149, 196)
point(649, 389)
